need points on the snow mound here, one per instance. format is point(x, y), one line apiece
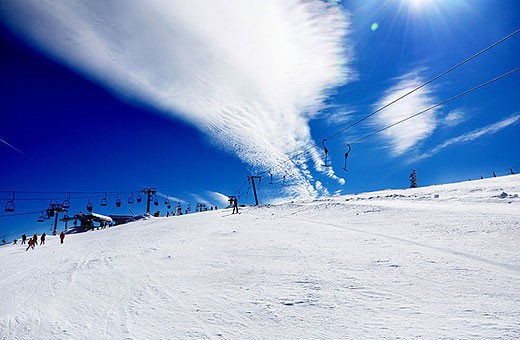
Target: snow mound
point(433, 262)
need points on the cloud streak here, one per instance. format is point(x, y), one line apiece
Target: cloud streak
point(19, 151)
point(408, 134)
point(250, 74)
point(471, 136)
point(218, 197)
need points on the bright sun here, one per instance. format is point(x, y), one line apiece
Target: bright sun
point(420, 4)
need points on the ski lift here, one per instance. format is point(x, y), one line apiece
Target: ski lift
point(66, 203)
point(104, 201)
point(131, 199)
point(41, 218)
point(346, 156)
point(169, 206)
point(47, 216)
point(326, 153)
point(155, 201)
point(89, 206)
point(139, 198)
point(166, 202)
point(118, 201)
point(10, 206)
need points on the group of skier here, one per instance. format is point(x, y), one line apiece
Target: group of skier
point(33, 241)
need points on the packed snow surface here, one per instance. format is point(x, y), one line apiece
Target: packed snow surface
point(434, 262)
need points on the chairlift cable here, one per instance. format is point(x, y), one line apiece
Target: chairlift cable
point(408, 93)
point(433, 107)
point(426, 83)
point(24, 213)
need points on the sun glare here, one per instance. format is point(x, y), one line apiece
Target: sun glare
point(420, 4)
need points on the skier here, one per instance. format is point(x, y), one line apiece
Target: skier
point(30, 244)
point(62, 236)
point(234, 203)
point(42, 239)
point(413, 179)
point(24, 238)
point(35, 240)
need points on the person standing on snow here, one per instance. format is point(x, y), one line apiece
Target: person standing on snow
point(42, 239)
point(30, 244)
point(62, 236)
point(24, 238)
point(235, 205)
point(35, 240)
point(413, 179)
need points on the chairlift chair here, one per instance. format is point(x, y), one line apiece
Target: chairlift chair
point(155, 201)
point(139, 198)
point(104, 201)
point(66, 203)
point(10, 206)
point(89, 206)
point(131, 199)
point(41, 218)
point(346, 156)
point(326, 164)
point(118, 201)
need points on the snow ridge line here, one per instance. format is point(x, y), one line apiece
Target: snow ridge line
point(509, 267)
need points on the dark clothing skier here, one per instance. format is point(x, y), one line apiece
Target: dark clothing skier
point(42, 239)
point(24, 238)
point(35, 239)
point(30, 244)
point(413, 179)
point(234, 203)
point(62, 237)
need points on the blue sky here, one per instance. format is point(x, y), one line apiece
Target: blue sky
point(193, 97)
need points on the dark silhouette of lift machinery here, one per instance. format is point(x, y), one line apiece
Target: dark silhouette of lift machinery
point(252, 180)
point(149, 192)
point(53, 211)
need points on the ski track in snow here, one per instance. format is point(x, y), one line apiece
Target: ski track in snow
point(438, 262)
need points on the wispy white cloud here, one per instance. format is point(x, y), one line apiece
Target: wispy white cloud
point(470, 136)
point(171, 198)
point(339, 117)
point(218, 197)
point(250, 74)
point(454, 118)
point(407, 135)
point(199, 199)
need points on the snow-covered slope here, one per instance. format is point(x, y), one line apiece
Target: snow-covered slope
point(434, 262)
